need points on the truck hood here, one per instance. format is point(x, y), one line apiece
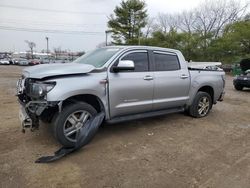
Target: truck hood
point(43, 71)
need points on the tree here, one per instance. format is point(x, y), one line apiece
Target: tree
point(217, 30)
point(213, 15)
point(130, 17)
point(166, 22)
point(238, 34)
point(31, 45)
point(57, 51)
point(149, 28)
point(186, 21)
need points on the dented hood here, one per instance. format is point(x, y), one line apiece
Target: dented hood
point(43, 71)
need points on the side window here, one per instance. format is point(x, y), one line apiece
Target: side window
point(140, 60)
point(166, 62)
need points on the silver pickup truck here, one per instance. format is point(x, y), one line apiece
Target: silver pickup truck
point(126, 82)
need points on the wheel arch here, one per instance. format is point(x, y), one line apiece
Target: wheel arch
point(208, 89)
point(91, 99)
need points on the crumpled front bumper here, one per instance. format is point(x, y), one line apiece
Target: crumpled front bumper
point(26, 121)
point(29, 113)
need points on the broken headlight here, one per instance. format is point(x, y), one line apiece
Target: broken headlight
point(40, 89)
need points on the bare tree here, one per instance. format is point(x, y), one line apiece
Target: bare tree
point(213, 15)
point(186, 21)
point(57, 51)
point(31, 45)
point(167, 22)
point(150, 27)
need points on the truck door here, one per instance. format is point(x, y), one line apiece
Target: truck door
point(131, 92)
point(171, 81)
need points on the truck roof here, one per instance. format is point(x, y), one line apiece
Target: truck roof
point(144, 48)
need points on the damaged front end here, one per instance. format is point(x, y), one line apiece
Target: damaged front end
point(31, 95)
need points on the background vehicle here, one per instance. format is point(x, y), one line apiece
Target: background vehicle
point(23, 62)
point(34, 62)
point(4, 62)
point(243, 78)
point(126, 83)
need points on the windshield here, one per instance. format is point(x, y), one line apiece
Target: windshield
point(98, 57)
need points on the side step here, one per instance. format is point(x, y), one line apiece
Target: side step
point(146, 115)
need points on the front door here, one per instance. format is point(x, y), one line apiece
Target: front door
point(131, 92)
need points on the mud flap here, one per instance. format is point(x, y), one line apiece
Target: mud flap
point(83, 137)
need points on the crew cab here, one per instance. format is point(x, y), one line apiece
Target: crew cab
point(126, 82)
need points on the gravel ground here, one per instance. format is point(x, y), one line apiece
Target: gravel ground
point(168, 151)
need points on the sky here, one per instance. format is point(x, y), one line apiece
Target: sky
point(78, 25)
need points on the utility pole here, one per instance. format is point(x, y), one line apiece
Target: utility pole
point(106, 33)
point(47, 39)
point(139, 37)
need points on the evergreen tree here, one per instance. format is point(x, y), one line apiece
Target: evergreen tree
point(130, 17)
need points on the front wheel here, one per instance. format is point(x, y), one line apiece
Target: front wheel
point(201, 105)
point(238, 87)
point(72, 118)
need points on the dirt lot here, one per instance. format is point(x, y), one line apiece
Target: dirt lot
point(168, 151)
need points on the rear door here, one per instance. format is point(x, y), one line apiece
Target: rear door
point(172, 81)
point(131, 92)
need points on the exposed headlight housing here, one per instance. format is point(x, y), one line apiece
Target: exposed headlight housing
point(40, 89)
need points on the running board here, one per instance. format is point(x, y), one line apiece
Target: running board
point(145, 115)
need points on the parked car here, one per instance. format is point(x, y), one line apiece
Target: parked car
point(14, 61)
point(23, 62)
point(4, 62)
point(243, 78)
point(34, 62)
point(45, 61)
point(126, 82)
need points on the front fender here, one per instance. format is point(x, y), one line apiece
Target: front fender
point(79, 85)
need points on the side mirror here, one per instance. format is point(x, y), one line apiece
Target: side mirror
point(124, 65)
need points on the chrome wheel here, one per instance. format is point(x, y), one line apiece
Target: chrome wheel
point(203, 106)
point(74, 123)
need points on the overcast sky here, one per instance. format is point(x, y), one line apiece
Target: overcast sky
point(73, 16)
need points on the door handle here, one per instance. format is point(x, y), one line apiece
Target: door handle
point(148, 77)
point(184, 76)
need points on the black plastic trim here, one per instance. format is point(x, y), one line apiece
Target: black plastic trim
point(145, 115)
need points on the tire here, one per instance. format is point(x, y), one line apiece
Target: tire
point(238, 87)
point(201, 98)
point(71, 119)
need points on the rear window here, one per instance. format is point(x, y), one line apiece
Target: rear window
point(166, 62)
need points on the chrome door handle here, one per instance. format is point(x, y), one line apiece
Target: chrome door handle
point(184, 76)
point(148, 77)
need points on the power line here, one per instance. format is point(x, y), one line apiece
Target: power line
point(51, 10)
point(15, 21)
point(50, 31)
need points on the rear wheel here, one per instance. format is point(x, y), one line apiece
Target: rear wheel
point(201, 106)
point(72, 118)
